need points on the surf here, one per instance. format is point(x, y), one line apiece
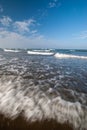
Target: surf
point(40, 53)
point(65, 56)
point(11, 50)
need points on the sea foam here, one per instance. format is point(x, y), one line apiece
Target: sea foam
point(58, 55)
point(9, 50)
point(36, 105)
point(39, 53)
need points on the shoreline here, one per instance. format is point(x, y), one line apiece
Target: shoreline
point(21, 124)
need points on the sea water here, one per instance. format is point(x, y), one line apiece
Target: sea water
point(44, 84)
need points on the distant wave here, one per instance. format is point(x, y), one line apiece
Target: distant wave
point(39, 53)
point(9, 50)
point(58, 55)
point(82, 50)
point(42, 50)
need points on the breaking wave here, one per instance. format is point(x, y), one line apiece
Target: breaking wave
point(9, 50)
point(58, 55)
point(35, 104)
point(39, 53)
point(42, 50)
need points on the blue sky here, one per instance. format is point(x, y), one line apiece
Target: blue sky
point(43, 24)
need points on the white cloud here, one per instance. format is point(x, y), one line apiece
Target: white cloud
point(5, 21)
point(21, 26)
point(81, 35)
point(34, 31)
point(14, 39)
point(54, 3)
point(1, 9)
point(10, 39)
point(24, 26)
point(22, 34)
point(31, 22)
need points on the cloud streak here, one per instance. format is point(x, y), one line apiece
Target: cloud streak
point(12, 39)
point(21, 27)
point(9, 39)
point(5, 21)
point(82, 35)
point(54, 3)
point(24, 26)
point(22, 34)
point(19, 33)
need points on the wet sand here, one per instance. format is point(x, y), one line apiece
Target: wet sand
point(21, 124)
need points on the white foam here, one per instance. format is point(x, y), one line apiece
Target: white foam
point(58, 55)
point(39, 53)
point(36, 105)
point(42, 50)
point(8, 50)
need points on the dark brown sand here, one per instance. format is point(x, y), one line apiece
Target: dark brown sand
point(21, 124)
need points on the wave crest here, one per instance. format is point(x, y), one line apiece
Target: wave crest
point(9, 50)
point(39, 53)
point(58, 55)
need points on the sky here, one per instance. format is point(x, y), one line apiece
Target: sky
point(58, 24)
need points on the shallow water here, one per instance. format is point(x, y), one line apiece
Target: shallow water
point(44, 87)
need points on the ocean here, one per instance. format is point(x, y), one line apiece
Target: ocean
point(43, 85)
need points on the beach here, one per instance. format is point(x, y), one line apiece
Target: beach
point(22, 124)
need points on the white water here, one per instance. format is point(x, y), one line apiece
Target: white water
point(42, 50)
point(37, 105)
point(58, 55)
point(8, 50)
point(39, 53)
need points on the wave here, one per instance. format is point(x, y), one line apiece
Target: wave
point(36, 105)
point(39, 53)
point(9, 50)
point(42, 50)
point(58, 55)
